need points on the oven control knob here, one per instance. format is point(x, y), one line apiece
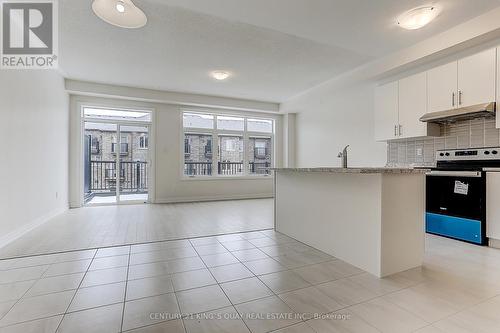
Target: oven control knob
point(447, 154)
point(487, 152)
point(494, 152)
point(441, 154)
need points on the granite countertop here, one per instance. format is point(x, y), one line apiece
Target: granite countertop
point(356, 170)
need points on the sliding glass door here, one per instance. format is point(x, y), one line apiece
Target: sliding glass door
point(100, 163)
point(133, 162)
point(115, 156)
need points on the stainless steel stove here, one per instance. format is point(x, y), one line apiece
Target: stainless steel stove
point(456, 193)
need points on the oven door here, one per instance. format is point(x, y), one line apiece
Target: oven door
point(455, 205)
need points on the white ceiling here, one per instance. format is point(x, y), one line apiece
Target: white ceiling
point(275, 48)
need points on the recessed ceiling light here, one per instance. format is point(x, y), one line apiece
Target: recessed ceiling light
point(418, 17)
point(220, 75)
point(122, 13)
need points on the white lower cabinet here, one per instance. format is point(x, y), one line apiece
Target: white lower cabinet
point(493, 205)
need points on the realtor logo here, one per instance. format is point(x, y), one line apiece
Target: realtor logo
point(29, 34)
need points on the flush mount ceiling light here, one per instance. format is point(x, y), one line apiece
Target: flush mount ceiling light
point(418, 17)
point(220, 75)
point(122, 13)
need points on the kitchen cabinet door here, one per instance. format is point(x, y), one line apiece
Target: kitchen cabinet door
point(492, 205)
point(412, 105)
point(386, 111)
point(476, 78)
point(442, 87)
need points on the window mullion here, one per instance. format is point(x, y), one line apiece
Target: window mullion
point(215, 154)
point(215, 147)
point(245, 149)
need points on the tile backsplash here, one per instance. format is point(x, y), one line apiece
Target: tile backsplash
point(474, 133)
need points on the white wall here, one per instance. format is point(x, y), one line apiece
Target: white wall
point(329, 118)
point(34, 157)
point(169, 185)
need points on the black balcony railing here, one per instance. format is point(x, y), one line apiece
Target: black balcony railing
point(197, 168)
point(133, 176)
point(225, 168)
point(260, 168)
point(230, 168)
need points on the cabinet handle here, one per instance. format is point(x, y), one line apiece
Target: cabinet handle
point(460, 97)
point(400, 130)
point(395, 130)
point(453, 99)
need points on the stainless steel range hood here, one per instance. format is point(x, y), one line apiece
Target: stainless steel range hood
point(469, 112)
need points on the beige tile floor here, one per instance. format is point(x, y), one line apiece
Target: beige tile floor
point(104, 226)
point(257, 282)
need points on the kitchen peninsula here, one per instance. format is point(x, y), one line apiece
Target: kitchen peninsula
point(372, 218)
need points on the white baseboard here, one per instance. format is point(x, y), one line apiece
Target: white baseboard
point(15, 234)
point(214, 198)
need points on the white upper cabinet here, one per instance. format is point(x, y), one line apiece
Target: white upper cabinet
point(476, 78)
point(398, 108)
point(468, 81)
point(442, 87)
point(386, 111)
point(412, 106)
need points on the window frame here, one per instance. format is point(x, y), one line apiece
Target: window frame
point(215, 133)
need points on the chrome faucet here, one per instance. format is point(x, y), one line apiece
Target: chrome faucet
point(343, 156)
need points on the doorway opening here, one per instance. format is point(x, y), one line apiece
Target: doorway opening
point(116, 156)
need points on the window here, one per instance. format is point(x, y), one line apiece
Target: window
point(208, 148)
point(197, 120)
point(260, 149)
point(244, 145)
point(230, 155)
point(260, 125)
point(196, 160)
point(113, 114)
point(187, 147)
point(230, 144)
point(259, 155)
point(123, 145)
point(143, 141)
point(94, 145)
point(230, 123)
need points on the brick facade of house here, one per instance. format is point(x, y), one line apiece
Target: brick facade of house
point(102, 142)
